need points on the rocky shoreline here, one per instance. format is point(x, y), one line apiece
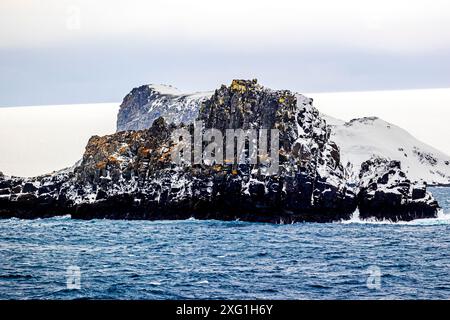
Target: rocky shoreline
point(130, 174)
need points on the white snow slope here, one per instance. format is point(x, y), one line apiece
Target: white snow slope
point(425, 113)
point(41, 139)
point(359, 139)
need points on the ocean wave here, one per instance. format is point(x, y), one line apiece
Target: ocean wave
point(441, 219)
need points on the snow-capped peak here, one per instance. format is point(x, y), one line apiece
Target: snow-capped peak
point(165, 89)
point(362, 138)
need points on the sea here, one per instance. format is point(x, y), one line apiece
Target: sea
point(61, 258)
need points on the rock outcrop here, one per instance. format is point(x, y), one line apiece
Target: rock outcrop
point(386, 193)
point(146, 103)
point(132, 174)
point(40, 197)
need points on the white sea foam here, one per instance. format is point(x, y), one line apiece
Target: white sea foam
point(442, 219)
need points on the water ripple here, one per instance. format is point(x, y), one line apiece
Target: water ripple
point(194, 259)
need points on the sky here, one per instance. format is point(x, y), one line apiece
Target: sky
point(81, 51)
point(61, 52)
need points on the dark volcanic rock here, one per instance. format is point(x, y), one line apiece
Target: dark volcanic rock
point(146, 103)
point(29, 187)
point(137, 179)
point(131, 175)
point(31, 203)
point(386, 193)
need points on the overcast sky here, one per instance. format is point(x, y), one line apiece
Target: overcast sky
point(77, 51)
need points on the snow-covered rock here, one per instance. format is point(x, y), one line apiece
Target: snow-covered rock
point(385, 192)
point(146, 103)
point(358, 140)
point(361, 139)
point(131, 175)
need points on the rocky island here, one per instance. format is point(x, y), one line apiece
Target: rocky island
point(131, 175)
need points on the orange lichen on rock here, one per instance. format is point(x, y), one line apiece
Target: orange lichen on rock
point(113, 160)
point(101, 165)
point(144, 152)
point(123, 149)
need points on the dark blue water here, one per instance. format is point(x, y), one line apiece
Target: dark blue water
point(226, 260)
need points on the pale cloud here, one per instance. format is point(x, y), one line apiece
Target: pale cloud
point(82, 51)
point(414, 26)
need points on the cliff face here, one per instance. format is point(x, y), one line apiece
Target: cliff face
point(131, 174)
point(134, 176)
point(39, 197)
point(146, 103)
